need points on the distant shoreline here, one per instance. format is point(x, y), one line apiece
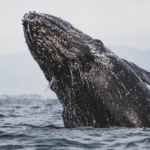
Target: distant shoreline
point(34, 96)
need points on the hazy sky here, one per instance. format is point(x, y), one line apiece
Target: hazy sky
point(117, 22)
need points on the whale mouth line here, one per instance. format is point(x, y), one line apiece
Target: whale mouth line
point(35, 52)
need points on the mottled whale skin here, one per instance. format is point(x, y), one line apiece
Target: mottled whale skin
point(95, 87)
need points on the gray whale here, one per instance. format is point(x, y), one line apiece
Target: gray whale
point(95, 87)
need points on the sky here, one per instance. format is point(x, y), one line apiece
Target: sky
point(122, 25)
point(115, 22)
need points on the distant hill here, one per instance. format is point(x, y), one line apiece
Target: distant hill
point(20, 74)
point(139, 57)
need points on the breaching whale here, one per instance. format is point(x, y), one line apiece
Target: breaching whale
point(95, 87)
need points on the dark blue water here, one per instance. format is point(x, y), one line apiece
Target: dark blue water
point(35, 123)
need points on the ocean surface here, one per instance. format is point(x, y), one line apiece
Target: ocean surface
point(35, 123)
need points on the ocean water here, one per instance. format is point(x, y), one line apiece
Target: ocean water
point(35, 123)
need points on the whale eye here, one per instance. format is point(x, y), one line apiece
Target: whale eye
point(98, 42)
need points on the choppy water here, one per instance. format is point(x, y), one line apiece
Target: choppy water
point(34, 123)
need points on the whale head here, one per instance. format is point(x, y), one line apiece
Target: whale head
point(57, 46)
